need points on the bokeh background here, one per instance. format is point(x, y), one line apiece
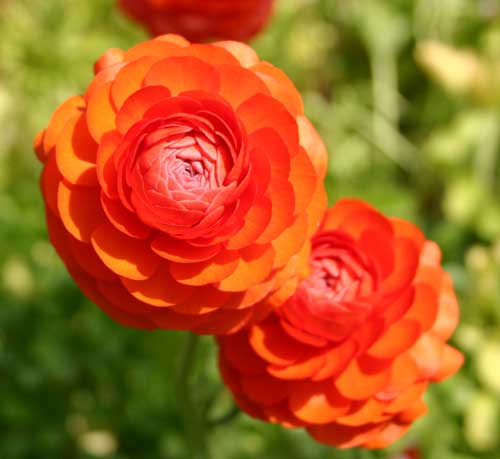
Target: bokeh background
point(406, 93)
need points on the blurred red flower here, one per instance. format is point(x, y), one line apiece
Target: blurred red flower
point(201, 20)
point(182, 188)
point(350, 355)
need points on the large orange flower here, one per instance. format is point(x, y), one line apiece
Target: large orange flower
point(350, 355)
point(201, 20)
point(183, 186)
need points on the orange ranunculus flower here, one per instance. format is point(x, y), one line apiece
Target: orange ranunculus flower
point(182, 188)
point(350, 355)
point(201, 20)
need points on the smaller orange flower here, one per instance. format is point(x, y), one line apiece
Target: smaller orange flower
point(201, 20)
point(350, 355)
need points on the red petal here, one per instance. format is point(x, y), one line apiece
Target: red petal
point(263, 390)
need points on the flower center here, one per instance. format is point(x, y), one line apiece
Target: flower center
point(332, 301)
point(185, 166)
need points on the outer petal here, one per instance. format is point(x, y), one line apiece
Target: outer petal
point(127, 257)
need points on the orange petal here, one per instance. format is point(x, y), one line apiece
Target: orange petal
point(303, 179)
point(254, 265)
point(407, 398)
point(125, 256)
point(137, 104)
point(417, 410)
point(336, 360)
point(245, 55)
point(424, 307)
point(272, 344)
point(110, 57)
point(76, 152)
point(387, 436)
point(302, 369)
point(181, 74)
point(203, 300)
point(263, 390)
point(290, 241)
point(206, 272)
point(130, 79)
point(105, 76)
point(80, 210)
point(63, 113)
point(448, 312)
point(368, 411)
point(124, 220)
point(261, 111)
point(213, 55)
point(173, 38)
point(428, 354)
point(363, 378)
point(179, 251)
point(49, 184)
point(405, 265)
point(238, 84)
point(159, 290)
point(451, 363)
point(281, 87)
point(316, 403)
point(106, 171)
point(314, 145)
point(282, 216)
point(256, 220)
point(397, 339)
point(100, 113)
point(160, 48)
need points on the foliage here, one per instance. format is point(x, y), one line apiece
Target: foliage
point(405, 93)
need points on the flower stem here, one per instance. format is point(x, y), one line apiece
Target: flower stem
point(194, 424)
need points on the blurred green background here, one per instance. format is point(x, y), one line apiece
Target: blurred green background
point(407, 96)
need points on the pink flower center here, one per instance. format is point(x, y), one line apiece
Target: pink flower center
point(333, 300)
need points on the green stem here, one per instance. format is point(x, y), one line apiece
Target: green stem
point(193, 422)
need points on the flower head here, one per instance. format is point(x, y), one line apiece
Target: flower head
point(181, 189)
point(351, 353)
point(201, 20)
